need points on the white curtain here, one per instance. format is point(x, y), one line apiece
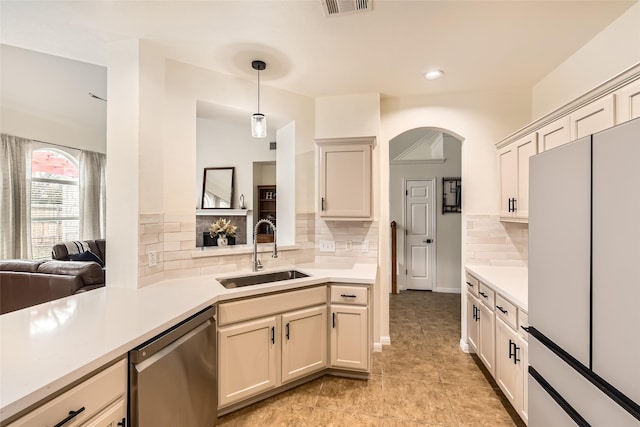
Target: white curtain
point(15, 196)
point(93, 193)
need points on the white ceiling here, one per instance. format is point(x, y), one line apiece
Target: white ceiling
point(479, 44)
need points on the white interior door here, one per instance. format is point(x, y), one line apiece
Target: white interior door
point(420, 243)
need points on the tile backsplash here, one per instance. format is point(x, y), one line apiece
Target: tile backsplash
point(343, 232)
point(488, 241)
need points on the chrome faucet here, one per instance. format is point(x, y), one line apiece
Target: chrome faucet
point(257, 265)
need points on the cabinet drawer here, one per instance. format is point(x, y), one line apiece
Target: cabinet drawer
point(523, 322)
point(353, 295)
point(507, 311)
point(94, 394)
point(472, 284)
point(487, 295)
point(236, 311)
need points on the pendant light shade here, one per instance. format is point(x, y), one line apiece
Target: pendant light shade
point(258, 126)
point(258, 120)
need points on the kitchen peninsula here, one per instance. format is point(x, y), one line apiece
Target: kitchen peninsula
point(49, 347)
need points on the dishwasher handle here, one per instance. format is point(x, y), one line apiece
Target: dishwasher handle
point(156, 344)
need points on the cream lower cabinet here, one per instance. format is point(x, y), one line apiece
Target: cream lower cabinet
point(511, 367)
point(304, 344)
point(262, 354)
point(247, 356)
point(265, 342)
point(487, 337)
point(350, 347)
point(99, 401)
point(473, 322)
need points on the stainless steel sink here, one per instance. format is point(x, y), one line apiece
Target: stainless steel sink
point(257, 279)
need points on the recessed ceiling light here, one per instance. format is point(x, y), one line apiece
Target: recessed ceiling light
point(434, 75)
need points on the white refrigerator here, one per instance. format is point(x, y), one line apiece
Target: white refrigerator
point(584, 282)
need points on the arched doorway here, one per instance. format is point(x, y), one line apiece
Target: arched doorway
point(429, 231)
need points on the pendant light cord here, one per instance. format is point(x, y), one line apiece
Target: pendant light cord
point(258, 91)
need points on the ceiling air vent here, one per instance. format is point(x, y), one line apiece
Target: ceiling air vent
point(341, 7)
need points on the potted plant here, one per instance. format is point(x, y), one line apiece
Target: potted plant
point(222, 229)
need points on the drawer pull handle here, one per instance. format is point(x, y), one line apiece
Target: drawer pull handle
point(323, 203)
point(123, 423)
point(470, 284)
point(72, 415)
point(483, 295)
point(287, 333)
point(501, 309)
point(525, 328)
point(333, 320)
point(273, 335)
point(347, 296)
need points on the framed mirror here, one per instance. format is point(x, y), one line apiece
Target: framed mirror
point(217, 188)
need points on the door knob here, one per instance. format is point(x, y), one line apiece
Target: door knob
point(428, 241)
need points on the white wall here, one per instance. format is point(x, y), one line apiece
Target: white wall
point(45, 97)
point(221, 143)
point(615, 49)
point(448, 226)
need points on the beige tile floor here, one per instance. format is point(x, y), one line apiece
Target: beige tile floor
point(421, 379)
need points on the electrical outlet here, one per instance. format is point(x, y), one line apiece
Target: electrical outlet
point(153, 258)
point(349, 245)
point(365, 246)
point(327, 245)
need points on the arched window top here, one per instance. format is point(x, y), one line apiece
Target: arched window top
point(53, 164)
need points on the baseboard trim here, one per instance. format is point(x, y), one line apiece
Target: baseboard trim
point(385, 340)
point(377, 347)
point(465, 347)
point(448, 290)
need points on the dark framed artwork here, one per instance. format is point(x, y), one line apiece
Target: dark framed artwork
point(451, 195)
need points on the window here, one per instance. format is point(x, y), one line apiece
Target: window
point(55, 207)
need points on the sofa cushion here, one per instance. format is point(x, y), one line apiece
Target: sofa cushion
point(89, 273)
point(26, 265)
point(61, 251)
point(19, 289)
point(86, 256)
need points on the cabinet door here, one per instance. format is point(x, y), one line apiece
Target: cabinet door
point(628, 102)
point(345, 181)
point(525, 148)
point(304, 342)
point(349, 337)
point(247, 359)
point(592, 118)
point(514, 177)
point(113, 416)
point(472, 321)
point(554, 134)
point(487, 338)
point(508, 179)
point(508, 366)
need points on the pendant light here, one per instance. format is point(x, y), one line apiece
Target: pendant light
point(258, 120)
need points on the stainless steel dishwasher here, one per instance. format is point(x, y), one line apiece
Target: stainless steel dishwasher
point(173, 377)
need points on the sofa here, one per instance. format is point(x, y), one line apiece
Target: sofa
point(25, 283)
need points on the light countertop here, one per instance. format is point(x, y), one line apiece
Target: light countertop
point(510, 282)
point(47, 347)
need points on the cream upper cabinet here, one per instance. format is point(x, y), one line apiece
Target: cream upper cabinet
point(304, 342)
point(628, 102)
point(554, 134)
point(345, 178)
point(593, 117)
point(247, 359)
point(514, 178)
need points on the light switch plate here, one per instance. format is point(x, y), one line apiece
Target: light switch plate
point(153, 258)
point(349, 245)
point(327, 245)
point(365, 246)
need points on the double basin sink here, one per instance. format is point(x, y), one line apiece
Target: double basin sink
point(258, 279)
